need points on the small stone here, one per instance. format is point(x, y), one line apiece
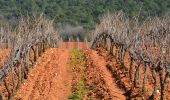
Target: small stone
point(143, 98)
point(157, 91)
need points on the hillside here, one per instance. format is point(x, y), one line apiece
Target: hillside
point(84, 13)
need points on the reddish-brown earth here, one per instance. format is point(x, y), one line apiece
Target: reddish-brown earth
point(48, 79)
point(71, 45)
point(98, 75)
point(51, 76)
point(4, 53)
point(122, 79)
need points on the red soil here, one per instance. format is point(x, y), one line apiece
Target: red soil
point(71, 45)
point(51, 77)
point(109, 85)
point(123, 81)
point(48, 79)
point(4, 53)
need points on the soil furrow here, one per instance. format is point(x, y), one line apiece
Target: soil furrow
point(109, 83)
point(48, 78)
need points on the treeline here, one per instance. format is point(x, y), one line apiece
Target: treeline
point(84, 13)
point(75, 18)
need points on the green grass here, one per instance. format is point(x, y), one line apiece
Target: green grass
point(78, 63)
point(78, 58)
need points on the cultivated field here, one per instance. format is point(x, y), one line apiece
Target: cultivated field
point(126, 60)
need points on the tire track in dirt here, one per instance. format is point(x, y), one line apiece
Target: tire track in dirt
point(50, 79)
point(115, 91)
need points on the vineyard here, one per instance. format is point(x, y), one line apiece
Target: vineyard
point(126, 60)
point(24, 46)
point(142, 50)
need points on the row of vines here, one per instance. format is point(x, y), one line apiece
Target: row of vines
point(26, 43)
point(146, 43)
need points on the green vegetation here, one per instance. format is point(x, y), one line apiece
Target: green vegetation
point(84, 13)
point(80, 90)
point(76, 18)
point(78, 62)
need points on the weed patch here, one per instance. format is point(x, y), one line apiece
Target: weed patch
point(78, 64)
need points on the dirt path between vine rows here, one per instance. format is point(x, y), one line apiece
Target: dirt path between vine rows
point(50, 79)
